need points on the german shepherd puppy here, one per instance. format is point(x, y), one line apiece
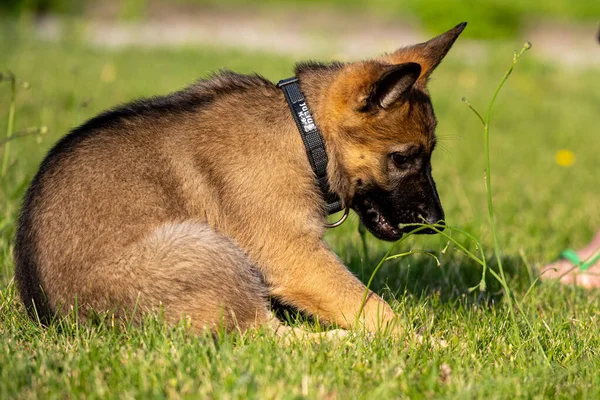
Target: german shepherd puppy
point(203, 202)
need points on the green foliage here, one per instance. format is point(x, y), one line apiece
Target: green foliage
point(540, 207)
point(18, 7)
point(498, 18)
point(492, 18)
point(132, 9)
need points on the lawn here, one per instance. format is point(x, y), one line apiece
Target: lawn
point(542, 207)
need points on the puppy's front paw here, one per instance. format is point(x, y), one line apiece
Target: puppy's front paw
point(290, 334)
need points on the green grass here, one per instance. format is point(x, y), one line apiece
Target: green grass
point(540, 207)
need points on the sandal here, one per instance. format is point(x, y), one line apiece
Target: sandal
point(573, 257)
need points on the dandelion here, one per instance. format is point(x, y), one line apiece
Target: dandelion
point(565, 158)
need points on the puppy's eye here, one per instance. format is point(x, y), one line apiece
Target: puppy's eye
point(400, 160)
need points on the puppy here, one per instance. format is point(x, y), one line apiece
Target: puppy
point(207, 201)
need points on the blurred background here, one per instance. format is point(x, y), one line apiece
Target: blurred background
point(74, 59)
point(563, 29)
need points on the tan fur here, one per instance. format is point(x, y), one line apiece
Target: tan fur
point(207, 212)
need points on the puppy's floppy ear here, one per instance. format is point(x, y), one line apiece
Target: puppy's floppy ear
point(428, 54)
point(393, 84)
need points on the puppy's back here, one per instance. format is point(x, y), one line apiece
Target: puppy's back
point(104, 186)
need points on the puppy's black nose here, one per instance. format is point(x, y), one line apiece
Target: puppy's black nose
point(440, 224)
point(435, 216)
point(436, 219)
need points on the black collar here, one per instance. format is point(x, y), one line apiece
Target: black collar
point(312, 138)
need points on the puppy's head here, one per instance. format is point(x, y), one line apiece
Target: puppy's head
point(380, 127)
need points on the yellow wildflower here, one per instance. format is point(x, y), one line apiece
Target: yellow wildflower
point(565, 158)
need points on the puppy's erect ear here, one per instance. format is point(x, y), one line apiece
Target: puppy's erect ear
point(392, 85)
point(428, 54)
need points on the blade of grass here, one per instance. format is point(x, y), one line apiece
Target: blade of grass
point(11, 119)
point(511, 300)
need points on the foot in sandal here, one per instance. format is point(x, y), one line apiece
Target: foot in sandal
point(581, 268)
